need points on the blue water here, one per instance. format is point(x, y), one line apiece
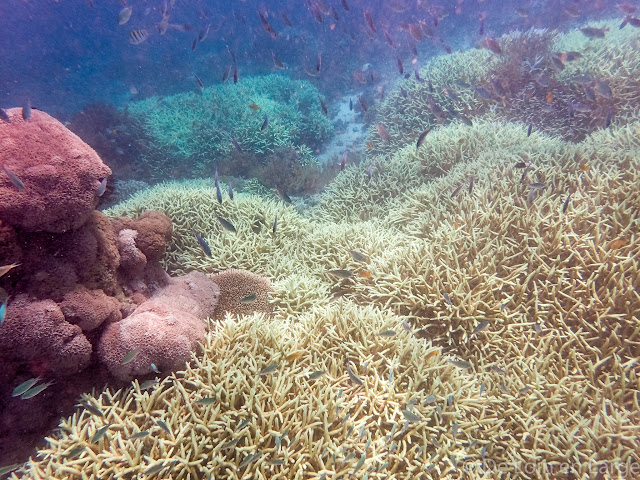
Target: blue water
point(66, 54)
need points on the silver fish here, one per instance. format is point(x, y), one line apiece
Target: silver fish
point(354, 378)
point(359, 257)
point(24, 386)
point(461, 364)
point(100, 433)
point(410, 416)
point(124, 15)
point(102, 187)
point(130, 356)
point(269, 369)
point(14, 179)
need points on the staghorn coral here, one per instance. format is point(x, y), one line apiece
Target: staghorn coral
point(235, 286)
point(192, 130)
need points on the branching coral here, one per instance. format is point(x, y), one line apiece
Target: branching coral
point(197, 129)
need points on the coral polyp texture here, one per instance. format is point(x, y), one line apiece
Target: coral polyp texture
point(491, 330)
point(564, 84)
point(192, 131)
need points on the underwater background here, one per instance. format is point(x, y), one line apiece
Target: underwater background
point(319, 239)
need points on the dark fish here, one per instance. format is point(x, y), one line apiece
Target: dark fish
point(415, 32)
point(590, 93)
point(359, 257)
point(249, 298)
point(275, 224)
point(199, 82)
point(340, 273)
point(362, 104)
point(521, 165)
point(354, 378)
point(233, 55)
point(203, 243)
point(350, 104)
point(316, 12)
point(4, 116)
point(267, 26)
point(102, 187)
point(323, 106)
point(276, 61)
point(470, 186)
point(230, 192)
point(218, 192)
point(235, 75)
point(566, 204)
point(481, 28)
point(343, 162)
point(135, 436)
point(136, 37)
point(367, 17)
point(529, 129)
point(492, 45)
point(457, 190)
point(265, 123)
point(237, 145)
point(286, 20)
point(226, 224)
point(431, 89)
point(400, 67)
point(194, 44)
point(345, 5)
point(388, 38)
point(204, 33)
point(26, 110)
point(283, 195)
point(593, 32)
point(537, 185)
point(524, 174)
point(316, 375)
point(495, 368)
point(370, 170)
point(13, 178)
point(603, 89)
point(481, 326)
point(421, 138)
point(417, 75)
point(319, 63)
point(607, 123)
point(226, 73)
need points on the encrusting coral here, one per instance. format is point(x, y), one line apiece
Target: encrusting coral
point(241, 292)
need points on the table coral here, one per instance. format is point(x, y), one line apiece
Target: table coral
point(61, 174)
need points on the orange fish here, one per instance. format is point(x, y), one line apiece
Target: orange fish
point(549, 97)
point(369, 145)
point(253, 106)
point(616, 244)
point(291, 357)
point(364, 274)
point(584, 167)
point(432, 353)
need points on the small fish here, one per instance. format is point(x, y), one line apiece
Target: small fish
point(406, 326)
point(206, 401)
point(250, 459)
point(14, 179)
point(163, 426)
point(142, 434)
point(316, 375)
point(230, 444)
point(404, 93)
point(268, 28)
point(350, 105)
point(529, 129)
point(153, 469)
point(457, 190)
point(360, 463)
point(147, 384)
point(24, 386)
point(286, 20)
point(593, 32)
point(276, 61)
point(130, 356)
point(249, 298)
point(323, 106)
point(521, 165)
point(276, 461)
point(421, 138)
point(483, 387)
point(275, 224)
point(10, 468)
point(388, 38)
point(383, 132)
point(524, 390)
point(269, 369)
point(4, 269)
point(471, 180)
point(32, 392)
point(319, 63)
point(244, 423)
point(618, 243)
point(357, 256)
point(26, 110)
point(293, 356)
point(4, 115)
point(136, 37)
point(344, 5)
point(410, 416)
point(388, 333)
point(461, 364)
point(430, 399)
point(265, 123)
point(124, 15)
point(93, 409)
point(226, 224)
point(447, 298)
point(75, 451)
point(400, 67)
point(481, 326)
point(354, 378)
point(235, 75)
point(198, 81)
point(369, 20)
point(204, 33)
point(537, 185)
point(218, 192)
point(205, 246)
point(495, 368)
point(340, 273)
point(370, 170)
point(100, 433)
point(566, 204)
point(492, 45)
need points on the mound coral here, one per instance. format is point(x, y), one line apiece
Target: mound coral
point(60, 173)
point(194, 130)
point(237, 291)
point(163, 330)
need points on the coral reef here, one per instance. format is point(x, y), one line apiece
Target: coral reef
point(60, 174)
point(236, 290)
point(193, 132)
point(163, 330)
